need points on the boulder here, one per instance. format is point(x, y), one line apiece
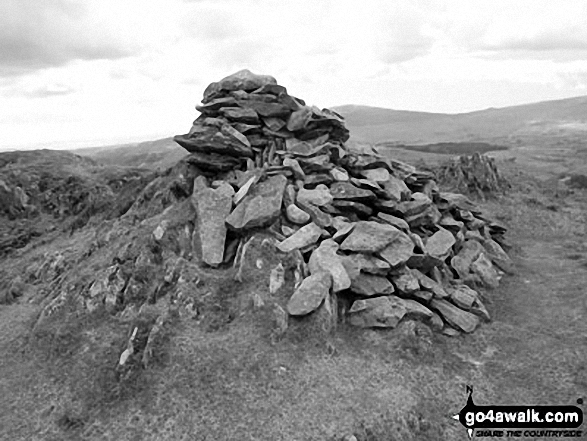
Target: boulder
point(212, 208)
point(440, 244)
point(324, 258)
point(305, 236)
point(463, 320)
point(369, 285)
point(310, 294)
point(468, 253)
point(319, 196)
point(296, 215)
point(483, 268)
point(369, 237)
point(347, 191)
point(399, 251)
point(385, 312)
point(260, 207)
point(242, 80)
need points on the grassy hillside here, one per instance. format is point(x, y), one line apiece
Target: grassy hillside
point(549, 118)
point(160, 153)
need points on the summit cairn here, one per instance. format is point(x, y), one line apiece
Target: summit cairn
point(370, 233)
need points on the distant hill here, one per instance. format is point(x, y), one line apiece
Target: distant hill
point(161, 153)
point(567, 117)
point(547, 122)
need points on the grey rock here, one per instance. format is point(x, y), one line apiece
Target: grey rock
point(399, 250)
point(296, 215)
point(427, 218)
point(299, 119)
point(463, 296)
point(352, 207)
point(339, 174)
point(406, 283)
point(429, 284)
point(498, 256)
point(324, 258)
point(369, 285)
point(319, 196)
point(274, 124)
point(376, 174)
point(468, 253)
point(213, 162)
point(369, 237)
point(261, 206)
point(208, 139)
point(367, 263)
point(463, 320)
point(242, 80)
point(396, 189)
point(348, 191)
point(320, 218)
point(295, 168)
point(395, 221)
point(212, 208)
point(440, 244)
point(483, 268)
point(310, 294)
point(305, 236)
point(385, 312)
point(213, 106)
point(240, 115)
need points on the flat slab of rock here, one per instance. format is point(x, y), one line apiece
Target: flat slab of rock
point(318, 196)
point(367, 263)
point(456, 317)
point(463, 296)
point(347, 191)
point(213, 162)
point(305, 236)
point(398, 251)
point(369, 237)
point(369, 285)
point(324, 258)
point(385, 312)
point(260, 207)
point(310, 294)
point(212, 208)
point(209, 139)
point(393, 220)
point(238, 114)
point(440, 244)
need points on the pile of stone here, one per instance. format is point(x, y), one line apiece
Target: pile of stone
point(476, 174)
point(373, 233)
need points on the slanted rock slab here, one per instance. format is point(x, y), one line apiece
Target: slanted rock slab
point(463, 320)
point(212, 208)
point(310, 294)
point(261, 206)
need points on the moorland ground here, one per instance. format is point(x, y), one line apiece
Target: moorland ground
point(403, 384)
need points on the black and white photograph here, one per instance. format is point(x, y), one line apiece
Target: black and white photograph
point(261, 220)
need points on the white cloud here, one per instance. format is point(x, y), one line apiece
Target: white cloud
point(105, 70)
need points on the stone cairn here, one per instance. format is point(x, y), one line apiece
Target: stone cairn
point(375, 234)
point(476, 174)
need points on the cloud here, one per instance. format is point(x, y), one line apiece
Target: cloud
point(49, 33)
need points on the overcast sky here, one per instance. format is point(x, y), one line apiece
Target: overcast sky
point(92, 72)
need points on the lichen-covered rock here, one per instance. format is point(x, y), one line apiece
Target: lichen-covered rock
point(310, 294)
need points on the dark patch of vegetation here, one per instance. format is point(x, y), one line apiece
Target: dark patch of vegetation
point(448, 148)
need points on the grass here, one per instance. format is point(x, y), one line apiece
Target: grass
point(222, 376)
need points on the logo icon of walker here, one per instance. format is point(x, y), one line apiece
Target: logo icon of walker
point(510, 419)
